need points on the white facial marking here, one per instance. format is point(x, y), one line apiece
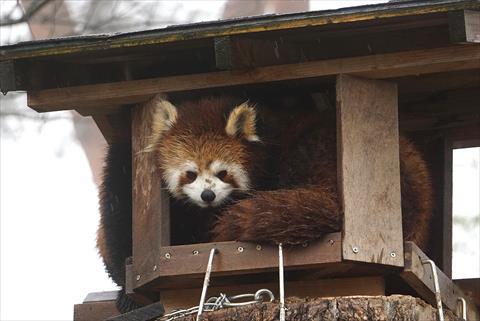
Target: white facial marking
point(206, 180)
point(172, 176)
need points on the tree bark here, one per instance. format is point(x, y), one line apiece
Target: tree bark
point(360, 308)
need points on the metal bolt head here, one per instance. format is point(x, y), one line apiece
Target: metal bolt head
point(355, 249)
point(138, 277)
point(195, 252)
point(393, 254)
point(258, 247)
point(240, 249)
point(167, 256)
point(154, 267)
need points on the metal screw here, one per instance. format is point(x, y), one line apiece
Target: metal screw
point(138, 277)
point(393, 254)
point(240, 249)
point(305, 244)
point(355, 249)
point(259, 247)
point(195, 252)
point(331, 242)
point(167, 255)
point(154, 267)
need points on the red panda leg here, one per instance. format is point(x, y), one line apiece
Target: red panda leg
point(289, 216)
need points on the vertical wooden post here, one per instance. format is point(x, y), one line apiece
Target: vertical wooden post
point(151, 217)
point(369, 170)
point(447, 247)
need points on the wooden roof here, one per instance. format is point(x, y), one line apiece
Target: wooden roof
point(249, 25)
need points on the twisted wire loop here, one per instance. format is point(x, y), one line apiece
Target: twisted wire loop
point(221, 302)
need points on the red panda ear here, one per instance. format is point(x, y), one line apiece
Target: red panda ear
point(164, 117)
point(241, 122)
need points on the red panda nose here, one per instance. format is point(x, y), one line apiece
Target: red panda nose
point(207, 195)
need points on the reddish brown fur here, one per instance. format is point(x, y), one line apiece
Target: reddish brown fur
point(296, 163)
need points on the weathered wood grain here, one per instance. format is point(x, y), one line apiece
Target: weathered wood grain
point(373, 66)
point(184, 265)
point(369, 171)
point(151, 217)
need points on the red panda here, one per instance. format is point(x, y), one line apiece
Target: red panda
point(251, 172)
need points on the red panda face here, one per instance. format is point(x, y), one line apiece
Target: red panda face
point(203, 178)
point(202, 149)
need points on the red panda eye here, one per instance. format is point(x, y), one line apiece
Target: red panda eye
point(221, 175)
point(191, 176)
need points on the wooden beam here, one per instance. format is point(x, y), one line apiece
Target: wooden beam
point(369, 170)
point(184, 265)
point(419, 277)
point(373, 66)
point(464, 26)
point(150, 205)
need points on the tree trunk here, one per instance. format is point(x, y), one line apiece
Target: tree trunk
point(360, 308)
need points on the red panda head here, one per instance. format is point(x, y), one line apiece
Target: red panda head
point(204, 148)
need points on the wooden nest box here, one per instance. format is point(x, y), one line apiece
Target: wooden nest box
point(420, 59)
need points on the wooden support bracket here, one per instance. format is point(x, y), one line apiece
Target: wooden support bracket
point(419, 277)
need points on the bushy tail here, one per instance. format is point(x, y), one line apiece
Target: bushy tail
point(114, 237)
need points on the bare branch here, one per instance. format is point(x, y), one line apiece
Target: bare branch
point(34, 8)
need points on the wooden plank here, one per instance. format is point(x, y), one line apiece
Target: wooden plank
point(464, 26)
point(95, 311)
point(419, 277)
point(187, 263)
point(373, 285)
point(369, 170)
point(374, 66)
point(151, 217)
